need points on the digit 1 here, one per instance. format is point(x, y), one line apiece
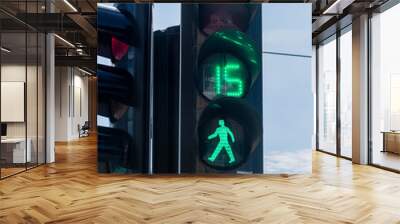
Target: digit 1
point(218, 80)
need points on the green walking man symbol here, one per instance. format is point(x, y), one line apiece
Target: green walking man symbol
point(222, 132)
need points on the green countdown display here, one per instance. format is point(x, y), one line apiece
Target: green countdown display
point(228, 65)
point(223, 75)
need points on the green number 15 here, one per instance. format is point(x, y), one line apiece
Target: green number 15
point(224, 75)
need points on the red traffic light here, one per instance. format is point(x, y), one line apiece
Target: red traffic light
point(119, 48)
point(216, 17)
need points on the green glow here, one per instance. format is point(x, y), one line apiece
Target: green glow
point(228, 69)
point(222, 132)
point(223, 75)
point(228, 78)
point(218, 79)
point(241, 42)
point(223, 48)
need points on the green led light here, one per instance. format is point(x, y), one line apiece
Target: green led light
point(218, 79)
point(222, 132)
point(227, 78)
point(229, 69)
point(223, 75)
point(217, 73)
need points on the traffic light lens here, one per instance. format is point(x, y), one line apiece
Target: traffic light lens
point(221, 143)
point(228, 131)
point(223, 75)
point(215, 17)
point(119, 48)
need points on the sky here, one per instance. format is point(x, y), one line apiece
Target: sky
point(166, 15)
point(288, 105)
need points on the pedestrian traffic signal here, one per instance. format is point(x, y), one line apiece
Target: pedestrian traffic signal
point(228, 103)
point(204, 90)
point(117, 28)
point(123, 39)
point(229, 130)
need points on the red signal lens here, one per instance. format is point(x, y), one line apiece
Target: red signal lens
point(119, 48)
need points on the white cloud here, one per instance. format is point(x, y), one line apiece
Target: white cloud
point(288, 162)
